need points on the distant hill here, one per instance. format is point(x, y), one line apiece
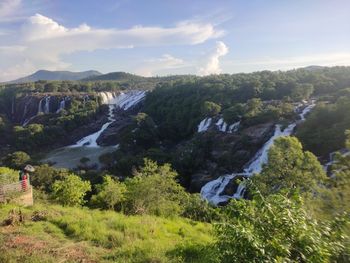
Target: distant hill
point(313, 68)
point(120, 76)
point(57, 75)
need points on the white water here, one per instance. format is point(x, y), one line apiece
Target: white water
point(69, 157)
point(62, 105)
point(234, 127)
point(46, 109)
point(213, 189)
point(40, 106)
point(220, 124)
point(124, 101)
point(204, 125)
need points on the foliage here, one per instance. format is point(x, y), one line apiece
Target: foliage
point(45, 175)
point(277, 229)
point(109, 193)
point(70, 191)
point(153, 190)
point(16, 160)
point(324, 129)
point(8, 175)
point(289, 169)
point(195, 208)
point(210, 109)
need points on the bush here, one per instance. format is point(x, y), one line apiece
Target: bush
point(70, 191)
point(45, 175)
point(195, 208)
point(109, 193)
point(154, 190)
point(8, 175)
point(277, 229)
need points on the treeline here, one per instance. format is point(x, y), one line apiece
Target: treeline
point(178, 106)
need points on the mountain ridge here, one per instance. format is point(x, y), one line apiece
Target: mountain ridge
point(56, 75)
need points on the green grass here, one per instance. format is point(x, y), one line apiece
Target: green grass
point(76, 234)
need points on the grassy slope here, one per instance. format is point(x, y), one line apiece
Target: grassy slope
point(83, 235)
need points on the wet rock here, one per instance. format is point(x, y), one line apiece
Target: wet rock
point(231, 187)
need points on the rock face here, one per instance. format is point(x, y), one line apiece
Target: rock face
point(111, 135)
point(227, 153)
point(123, 118)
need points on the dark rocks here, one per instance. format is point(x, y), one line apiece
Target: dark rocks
point(228, 153)
point(198, 180)
point(231, 187)
point(111, 136)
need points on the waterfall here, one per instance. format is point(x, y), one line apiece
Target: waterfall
point(62, 105)
point(307, 110)
point(220, 124)
point(47, 105)
point(124, 101)
point(25, 112)
point(234, 127)
point(40, 107)
point(204, 125)
point(213, 189)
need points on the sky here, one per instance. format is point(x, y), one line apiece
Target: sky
point(164, 37)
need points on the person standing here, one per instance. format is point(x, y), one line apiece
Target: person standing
point(24, 176)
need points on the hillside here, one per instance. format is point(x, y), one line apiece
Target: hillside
point(57, 75)
point(82, 235)
point(117, 76)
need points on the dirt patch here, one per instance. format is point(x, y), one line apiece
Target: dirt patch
point(29, 246)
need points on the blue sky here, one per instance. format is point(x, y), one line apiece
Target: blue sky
point(171, 37)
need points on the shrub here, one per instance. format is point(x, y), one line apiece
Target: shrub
point(71, 190)
point(8, 175)
point(154, 190)
point(277, 229)
point(109, 193)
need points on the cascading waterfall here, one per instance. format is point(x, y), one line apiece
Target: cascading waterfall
point(40, 107)
point(212, 190)
point(124, 101)
point(204, 125)
point(47, 105)
point(220, 124)
point(25, 120)
point(62, 105)
point(234, 127)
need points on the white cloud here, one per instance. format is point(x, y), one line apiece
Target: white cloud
point(156, 66)
point(213, 63)
point(45, 41)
